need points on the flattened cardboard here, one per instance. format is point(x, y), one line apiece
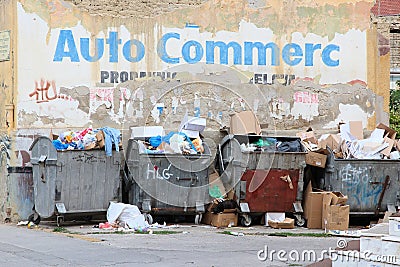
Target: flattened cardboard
point(316, 159)
point(221, 219)
point(387, 150)
point(390, 133)
point(274, 216)
point(287, 223)
point(356, 129)
point(244, 122)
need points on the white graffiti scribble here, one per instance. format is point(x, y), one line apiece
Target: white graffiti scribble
point(355, 175)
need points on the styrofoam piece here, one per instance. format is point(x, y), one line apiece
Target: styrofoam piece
point(394, 226)
point(274, 216)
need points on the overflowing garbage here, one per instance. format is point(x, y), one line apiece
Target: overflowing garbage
point(87, 139)
point(350, 143)
point(174, 142)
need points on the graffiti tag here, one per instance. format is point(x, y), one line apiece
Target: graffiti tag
point(42, 94)
point(88, 158)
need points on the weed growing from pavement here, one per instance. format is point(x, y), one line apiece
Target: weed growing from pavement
point(60, 230)
point(164, 232)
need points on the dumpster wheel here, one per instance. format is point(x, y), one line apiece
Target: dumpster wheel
point(299, 220)
point(245, 220)
point(148, 218)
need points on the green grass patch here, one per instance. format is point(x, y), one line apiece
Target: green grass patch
point(162, 232)
point(225, 232)
point(283, 234)
point(59, 229)
point(166, 232)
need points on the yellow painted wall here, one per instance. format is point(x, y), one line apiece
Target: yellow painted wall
point(7, 68)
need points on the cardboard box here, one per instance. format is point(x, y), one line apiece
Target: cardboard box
point(334, 217)
point(338, 198)
point(308, 137)
point(244, 122)
point(316, 159)
point(313, 207)
point(223, 219)
point(390, 133)
point(287, 223)
point(329, 140)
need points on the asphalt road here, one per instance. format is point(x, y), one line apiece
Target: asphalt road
point(182, 245)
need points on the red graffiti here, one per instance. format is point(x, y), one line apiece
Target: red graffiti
point(42, 94)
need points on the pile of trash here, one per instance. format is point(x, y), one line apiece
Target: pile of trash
point(126, 217)
point(173, 143)
point(271, 144)
point(88, 139)
point(350, 143)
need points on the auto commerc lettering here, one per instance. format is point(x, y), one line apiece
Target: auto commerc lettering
point(193, 51)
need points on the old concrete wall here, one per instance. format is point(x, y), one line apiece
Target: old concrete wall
point(60, 86)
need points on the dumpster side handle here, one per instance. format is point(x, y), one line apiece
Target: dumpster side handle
point(384, 187)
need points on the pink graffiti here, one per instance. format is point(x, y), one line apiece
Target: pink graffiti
point(104, 94)
point(305, 97)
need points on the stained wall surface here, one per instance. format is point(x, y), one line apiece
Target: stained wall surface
point(296, 64)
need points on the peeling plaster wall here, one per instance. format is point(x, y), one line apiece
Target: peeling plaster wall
point(7, 87)
point(59, 89)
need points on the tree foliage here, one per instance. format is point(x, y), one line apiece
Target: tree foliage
point(395, 110)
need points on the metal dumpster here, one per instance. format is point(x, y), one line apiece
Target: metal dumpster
point(259, 177)
point(20, 191)
point(167, 184)
point(372, 186)
point(73, 182)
